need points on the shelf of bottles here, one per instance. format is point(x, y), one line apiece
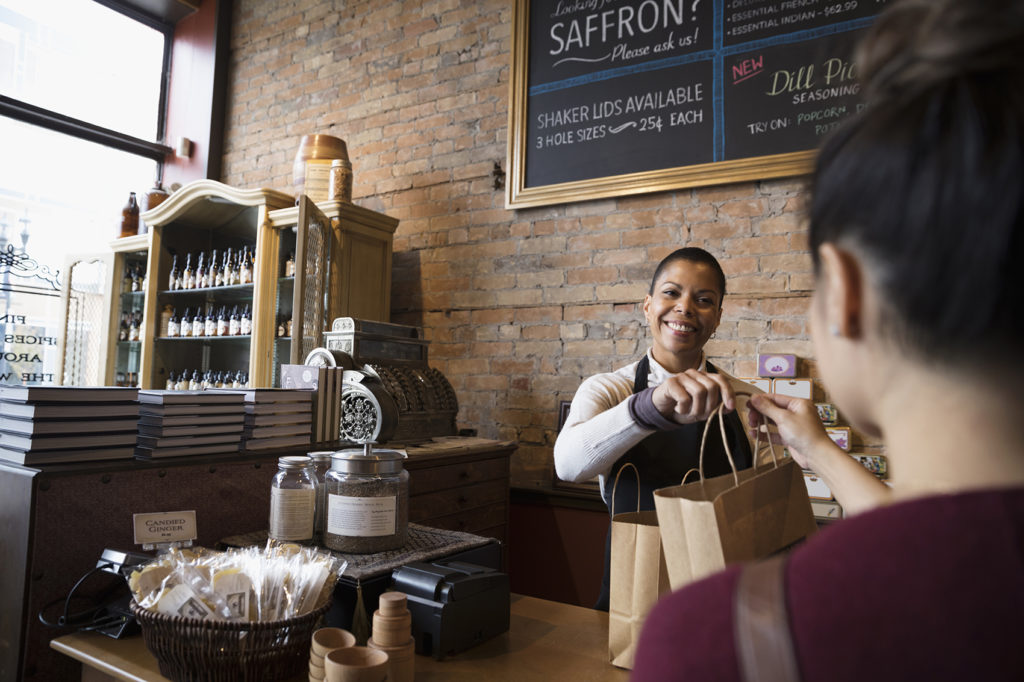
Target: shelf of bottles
point(283, 312)
point(131, 303)
point(206, 319)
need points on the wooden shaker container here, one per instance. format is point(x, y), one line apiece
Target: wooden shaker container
point(392, 633)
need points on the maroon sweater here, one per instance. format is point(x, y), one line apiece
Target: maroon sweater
point(931, 589)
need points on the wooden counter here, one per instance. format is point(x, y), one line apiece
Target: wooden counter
point(546, 641)
point(57, 519)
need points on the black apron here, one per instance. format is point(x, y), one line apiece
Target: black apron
point(662, 459)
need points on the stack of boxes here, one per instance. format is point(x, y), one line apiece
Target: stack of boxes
point(777, 373)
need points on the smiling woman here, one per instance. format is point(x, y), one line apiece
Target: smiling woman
point(652, 412)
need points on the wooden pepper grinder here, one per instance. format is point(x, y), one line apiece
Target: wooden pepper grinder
point(392, 633)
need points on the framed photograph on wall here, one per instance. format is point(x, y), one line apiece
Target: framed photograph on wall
point(593, 485)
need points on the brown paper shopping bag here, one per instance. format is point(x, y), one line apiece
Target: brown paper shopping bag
point(638, 577)
point(736, 517)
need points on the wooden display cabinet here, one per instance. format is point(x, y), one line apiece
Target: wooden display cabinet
point(87, 299)
point(342, 259)
point(124, 353)
point(201, 217)
point(342, 269)
point(97, 300)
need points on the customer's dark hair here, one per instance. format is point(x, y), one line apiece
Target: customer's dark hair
point(927, 182)
point(695, 255)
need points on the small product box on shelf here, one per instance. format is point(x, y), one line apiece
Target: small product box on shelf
point(827, 413)
point(840, 435)
point(794, 388)
point(759, 383)
point(876, 464)
point(826, 509)
point(775, 365)
point(816, 488)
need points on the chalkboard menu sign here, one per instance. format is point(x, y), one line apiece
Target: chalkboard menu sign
point(615, 97)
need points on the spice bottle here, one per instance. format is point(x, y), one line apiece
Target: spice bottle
point(188, 277)
point(367, 501)
point(293, 500)
point(215, 276)
point(185, 323)
point(321, 460)
point(173, 324)
point(133, 327)
point(130, 217)
point(199, 323)
point(210, 329)
point(245, 322)
point(174, 279)
point(222, 321)
point(245, 267)
point(234, 324)
point(340, 188)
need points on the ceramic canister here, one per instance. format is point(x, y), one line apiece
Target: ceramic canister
point(312, 169)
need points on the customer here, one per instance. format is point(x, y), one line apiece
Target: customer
point(652, 412)
point(917, 229)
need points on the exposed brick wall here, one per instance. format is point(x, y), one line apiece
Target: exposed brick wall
point(519, 306)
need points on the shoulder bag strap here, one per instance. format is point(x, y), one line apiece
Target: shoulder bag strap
point(764, 642)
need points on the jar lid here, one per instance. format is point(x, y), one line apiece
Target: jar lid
point(321, 455)
point(293, 462)
point(368, 461)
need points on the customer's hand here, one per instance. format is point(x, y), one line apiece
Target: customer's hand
point(799, 426)
point(692, 396)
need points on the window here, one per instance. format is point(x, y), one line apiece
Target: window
point(82, 90)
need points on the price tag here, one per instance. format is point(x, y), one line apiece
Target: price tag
point(161, 527)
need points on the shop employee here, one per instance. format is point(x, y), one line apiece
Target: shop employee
point(652, 412)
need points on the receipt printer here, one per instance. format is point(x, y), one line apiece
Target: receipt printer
point(454, 605)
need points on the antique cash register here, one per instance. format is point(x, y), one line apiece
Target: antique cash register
point(389, 393)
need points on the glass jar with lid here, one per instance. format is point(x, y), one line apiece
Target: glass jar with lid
point(367, 501)
point(321, 462)
point(293, 500)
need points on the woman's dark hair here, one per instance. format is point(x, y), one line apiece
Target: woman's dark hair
point(695, 255)
point(927, 182)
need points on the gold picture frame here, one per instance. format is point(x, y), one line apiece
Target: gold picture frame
point(518, 195)
point(591, 486)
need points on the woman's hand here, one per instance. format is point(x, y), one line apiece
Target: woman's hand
point(799, 425)
point(692, 396)
point(801, 431)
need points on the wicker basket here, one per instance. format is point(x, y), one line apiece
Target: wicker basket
point(190, 650)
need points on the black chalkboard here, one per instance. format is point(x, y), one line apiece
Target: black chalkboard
point(625, 96)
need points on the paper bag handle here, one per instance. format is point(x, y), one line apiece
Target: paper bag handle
point(719, 412)
point(725, 442)
point(757, 436)
point(616, 483)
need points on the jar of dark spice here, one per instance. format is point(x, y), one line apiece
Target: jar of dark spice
point(367, 501)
